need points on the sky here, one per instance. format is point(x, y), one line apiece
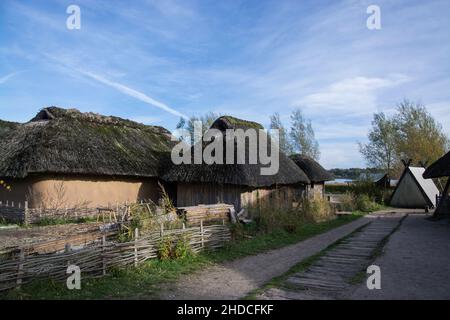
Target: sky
point(154, 61)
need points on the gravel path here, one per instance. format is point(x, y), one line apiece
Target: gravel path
point(415, 263)
point(235, 279)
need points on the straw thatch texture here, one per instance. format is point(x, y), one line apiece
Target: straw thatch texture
point(70, 142)
point(236, 174)
point(314, 171)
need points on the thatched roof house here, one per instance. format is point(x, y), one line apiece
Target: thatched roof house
point(439, 169)
point(68, 156)
point(238, 184)
point(316, 174)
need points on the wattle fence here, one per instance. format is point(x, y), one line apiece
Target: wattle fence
point(18, 266)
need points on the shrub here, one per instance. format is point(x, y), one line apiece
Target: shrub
point(165, 248)
point(182, 248)
point(365, 204)
point(317, 210)
point(347, 202)
point(171, 248)
point(270, 219)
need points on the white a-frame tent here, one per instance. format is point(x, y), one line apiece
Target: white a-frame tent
point(413, 191)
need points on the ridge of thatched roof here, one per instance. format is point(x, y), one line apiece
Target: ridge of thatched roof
point(7, 126)
point(236, 174)
point(229, 122)
point(440, 168)
point(314, 171)
point(67, 141)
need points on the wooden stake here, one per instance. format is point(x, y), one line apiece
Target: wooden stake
point(20, 267)
point(136, 236)
point(201, 233)
point(103, 254)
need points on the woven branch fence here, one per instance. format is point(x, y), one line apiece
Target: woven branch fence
point(17, 267)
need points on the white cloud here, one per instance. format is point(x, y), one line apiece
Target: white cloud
point(340, 155)
point(357, 95)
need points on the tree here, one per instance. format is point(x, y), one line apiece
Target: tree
point(380, 151)
point(207, 120)
point(420, 137)
point(302, 136)
point(285, 144)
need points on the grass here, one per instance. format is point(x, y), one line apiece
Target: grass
point(145, 280)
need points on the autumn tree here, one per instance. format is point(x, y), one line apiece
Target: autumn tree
point(411, 133)
point(420, 137)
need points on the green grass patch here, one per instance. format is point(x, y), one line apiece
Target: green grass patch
point(145, 280)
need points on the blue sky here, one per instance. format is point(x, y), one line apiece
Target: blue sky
point(151, 61)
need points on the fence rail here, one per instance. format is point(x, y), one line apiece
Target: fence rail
point(19, 267)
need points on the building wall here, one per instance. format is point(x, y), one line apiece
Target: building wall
point(58, 191)
point(191, 194)
point(316, 190)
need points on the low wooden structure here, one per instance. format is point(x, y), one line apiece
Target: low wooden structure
point(209, 214)
point(441, 169)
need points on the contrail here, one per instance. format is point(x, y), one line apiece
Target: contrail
point(8, 76)
point(133, 93)
point(120, 87)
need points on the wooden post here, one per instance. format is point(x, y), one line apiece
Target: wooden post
point(25, 214)
point(201, 233)
point(136, 236)
point(20, 267)
point(161, 231)
point(68, 248)
point(103, 255)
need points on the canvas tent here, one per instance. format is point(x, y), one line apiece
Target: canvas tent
point(414, 191)
point(440, 169)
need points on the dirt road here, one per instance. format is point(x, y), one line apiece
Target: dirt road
point(415, 263)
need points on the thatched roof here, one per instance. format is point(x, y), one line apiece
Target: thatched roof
point(314, 171)
point(229, 122)
point(70, 142)
point(440, 168)
point(6, 126)
point(237, 174)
